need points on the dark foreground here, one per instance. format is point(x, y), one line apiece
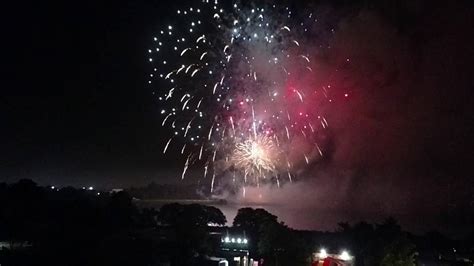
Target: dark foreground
point(68, 226)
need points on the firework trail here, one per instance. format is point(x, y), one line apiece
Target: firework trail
point(233, 87)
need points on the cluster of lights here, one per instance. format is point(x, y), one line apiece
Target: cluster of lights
point(234, 240)
point(83, 188)
point(343, 256)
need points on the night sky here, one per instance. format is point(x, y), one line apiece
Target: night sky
point(77, 109)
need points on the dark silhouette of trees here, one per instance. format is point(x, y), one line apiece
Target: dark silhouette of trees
point(281, 245)
point(275, 242)
point(188, 225)
point(251, 221)
point(381, 244)
point(21, 212)
point(67, 226)
point(167, 191)
point(399, 252)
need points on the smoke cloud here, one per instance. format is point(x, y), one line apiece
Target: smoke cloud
point(398, 125)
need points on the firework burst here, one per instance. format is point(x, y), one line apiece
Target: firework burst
point(255, 157)
point(233, 88)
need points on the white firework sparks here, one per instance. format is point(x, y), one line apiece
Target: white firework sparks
point(230, 86)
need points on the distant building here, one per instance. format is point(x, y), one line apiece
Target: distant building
point(233, 246)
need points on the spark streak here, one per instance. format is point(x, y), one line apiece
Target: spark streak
point(243, 65)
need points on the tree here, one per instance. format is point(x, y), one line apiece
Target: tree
point(274, 241)
point(281, 245)
point(383, 244)
point(197, 215)
point(251, 221)
point(188, 225)
point(399, 252)
point(360, 237)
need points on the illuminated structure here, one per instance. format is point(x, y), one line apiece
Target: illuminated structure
point(235, 248)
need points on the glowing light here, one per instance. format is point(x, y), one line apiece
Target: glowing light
point(345, 255)
point(255, 156)
point(323, 254)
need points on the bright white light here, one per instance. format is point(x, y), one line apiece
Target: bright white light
point(245, 241)
point(52, 187)
point(91, 188)
point(239, 240)
point(345, 255)
point(323, 254)
point(232, 240)
point(227, 239)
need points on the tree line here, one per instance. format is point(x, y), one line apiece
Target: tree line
point(69, 226)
